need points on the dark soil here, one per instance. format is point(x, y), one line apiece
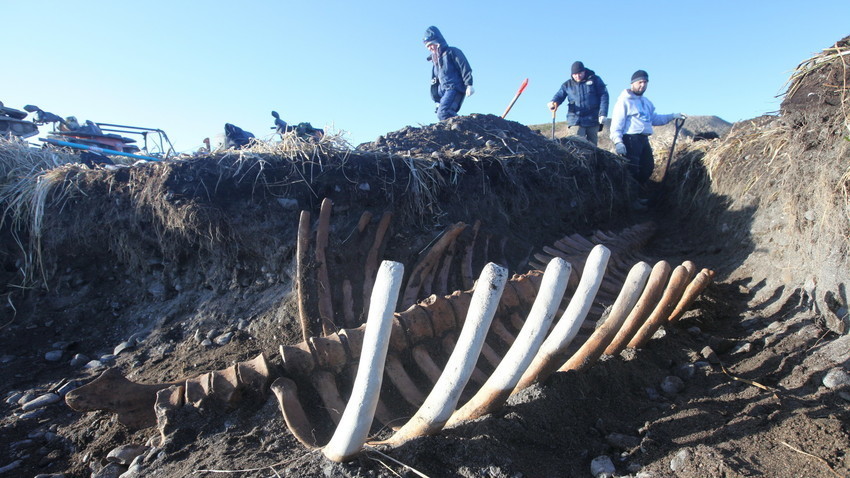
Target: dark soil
point(175, 253)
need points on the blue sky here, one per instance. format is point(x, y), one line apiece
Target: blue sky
point(188, 67)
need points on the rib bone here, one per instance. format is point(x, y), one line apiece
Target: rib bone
point(503, 380)
point(350, 435)
point(604, 334)
point(440, 403)
point(551, 353)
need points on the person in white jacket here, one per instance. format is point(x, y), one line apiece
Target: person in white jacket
point(631, 124)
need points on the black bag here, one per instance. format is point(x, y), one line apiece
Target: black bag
point(236, 137)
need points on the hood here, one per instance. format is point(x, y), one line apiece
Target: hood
point(433, 34)
point(628, 93)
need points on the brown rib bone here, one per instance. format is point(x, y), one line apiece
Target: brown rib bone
point(647, 302)
point(593, 348)
point(427, 264)
point(675, 287)
point(693, 290)
point(304, 285)
point(296, 420)
point(370, 270)
point(326, 310)
point(467, 274)
point(402, 381)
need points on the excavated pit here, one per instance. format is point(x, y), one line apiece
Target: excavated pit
point(170, 270)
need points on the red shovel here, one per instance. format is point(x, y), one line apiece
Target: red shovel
point(519, 92)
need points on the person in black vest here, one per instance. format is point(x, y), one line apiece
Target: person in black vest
point(451, 75)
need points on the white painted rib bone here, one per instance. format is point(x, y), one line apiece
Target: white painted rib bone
point(441, 402)
point(551, 353)
point(503, 380)
point(350, 434)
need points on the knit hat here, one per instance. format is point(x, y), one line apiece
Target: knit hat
point(640, 75)
point(578, 67)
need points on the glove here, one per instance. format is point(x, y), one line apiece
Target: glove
point(601, 120)
point(678, 116)
point(620, 148)
point(552, 106)
point(470, 90)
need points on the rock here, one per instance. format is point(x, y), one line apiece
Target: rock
point(836, 377)
point(53, 356)
point(671, 385)
point(708, 354)
point(122, 347)
point(125, 454)
point(288, 203)
point(223, 338)
point(94, 365)
point(32, 414)
point(157, 290)
point(10, 466)
point(686, 372)
point(79, 359)
point(14, 397)
point(681, 460)
point(602, 466)
point(743, 348)
point(652, 394)
point(137, 338)
point(112, 470)
point(623, 442)
point(40, 402)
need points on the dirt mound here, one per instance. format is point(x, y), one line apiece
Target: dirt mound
point(167, 270)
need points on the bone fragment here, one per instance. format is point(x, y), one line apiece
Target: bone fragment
point(552, 351)
point(675, 287)
point(647, 302)
point(591, 350)
point(350, 434)
point(440, 403)
point(293, 414)
point(498, 387)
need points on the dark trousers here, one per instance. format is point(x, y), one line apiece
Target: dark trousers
point(639, 153)
point(449, 104)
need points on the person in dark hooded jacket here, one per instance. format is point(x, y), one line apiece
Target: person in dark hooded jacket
point(451, 75)
point(587, 99)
